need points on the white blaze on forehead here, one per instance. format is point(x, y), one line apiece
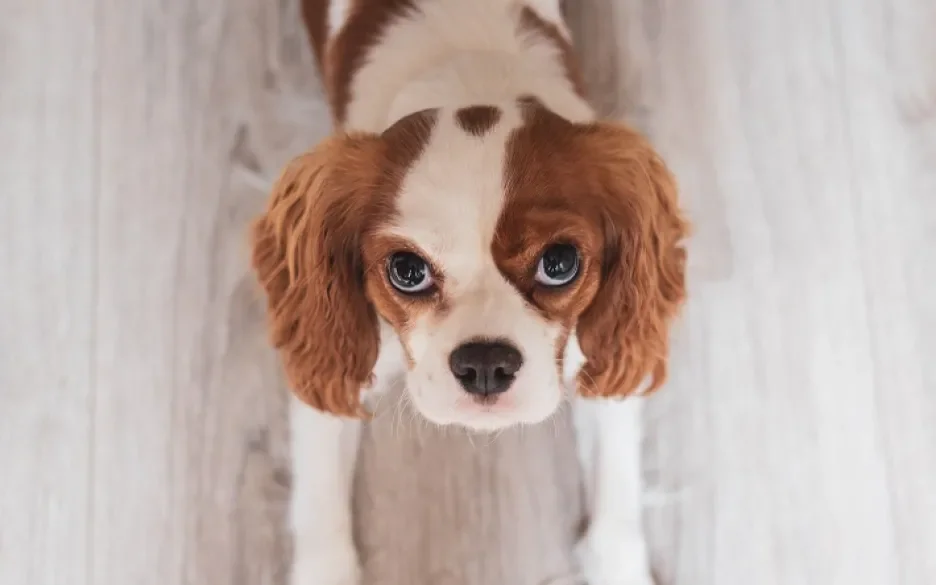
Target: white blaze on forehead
point(449, 204)
point(451, 198)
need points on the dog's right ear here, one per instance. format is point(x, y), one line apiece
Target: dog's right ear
point(307, 255)
point(625, 331)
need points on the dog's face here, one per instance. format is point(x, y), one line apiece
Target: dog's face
point(493, 240)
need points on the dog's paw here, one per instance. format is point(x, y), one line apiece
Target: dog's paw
point(614, 557)
point(336, 565)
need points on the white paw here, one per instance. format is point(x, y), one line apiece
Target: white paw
point(614, 557)
point(337, 565)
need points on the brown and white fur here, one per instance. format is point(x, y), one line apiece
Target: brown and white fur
point(462, 135)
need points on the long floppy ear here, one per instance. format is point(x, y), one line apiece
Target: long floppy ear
point(306, 254)
point(624, 333)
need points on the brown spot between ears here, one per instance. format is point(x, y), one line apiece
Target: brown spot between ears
point(531, 22)
point(367, 22)
point(477, 120)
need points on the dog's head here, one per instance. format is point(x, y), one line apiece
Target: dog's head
point(494, 240)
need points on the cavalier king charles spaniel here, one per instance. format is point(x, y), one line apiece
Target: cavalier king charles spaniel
point(472, 226)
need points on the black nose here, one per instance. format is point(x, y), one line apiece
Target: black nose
point(485, 368)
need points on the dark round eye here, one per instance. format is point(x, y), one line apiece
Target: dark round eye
point(408, 273)
point(558, 265)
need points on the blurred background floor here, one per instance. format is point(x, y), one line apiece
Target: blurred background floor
point(142, 416)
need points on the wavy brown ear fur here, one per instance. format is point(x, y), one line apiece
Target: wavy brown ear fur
point(306, 254)
point(624, 333)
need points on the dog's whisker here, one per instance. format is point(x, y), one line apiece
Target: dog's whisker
point(397, 422)
point(470, 436)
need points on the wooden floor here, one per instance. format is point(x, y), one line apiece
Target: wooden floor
point(142, 423)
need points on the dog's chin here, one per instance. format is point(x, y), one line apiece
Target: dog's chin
point(514, 408)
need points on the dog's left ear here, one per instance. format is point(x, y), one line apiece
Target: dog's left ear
point(306, 254)
point(624, 333)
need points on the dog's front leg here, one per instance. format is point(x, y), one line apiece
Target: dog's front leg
point(613, 550)
point(324, 454)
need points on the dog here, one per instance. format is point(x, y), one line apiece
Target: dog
point(471, 226)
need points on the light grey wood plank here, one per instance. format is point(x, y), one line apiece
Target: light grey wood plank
point(793, 443)
point(47, 297)
point(187, 411)
point(893, 157)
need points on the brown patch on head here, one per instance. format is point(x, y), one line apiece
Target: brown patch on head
point(309, 253)
point(350, 48)
point(405, 140)
point(604, 189)
point(537, 214)
point(477, 120)
point(531, 22)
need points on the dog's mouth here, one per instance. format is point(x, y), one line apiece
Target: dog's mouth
point(499, 404)
point(488, 413)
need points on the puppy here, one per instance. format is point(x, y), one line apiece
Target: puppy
point(472, 226)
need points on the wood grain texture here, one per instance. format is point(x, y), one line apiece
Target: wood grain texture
point(142, 413)
point(48, 184)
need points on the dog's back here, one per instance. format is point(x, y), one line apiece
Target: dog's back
point(383, 59)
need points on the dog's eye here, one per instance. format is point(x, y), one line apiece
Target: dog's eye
point(408, 273)
point(559, 265)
